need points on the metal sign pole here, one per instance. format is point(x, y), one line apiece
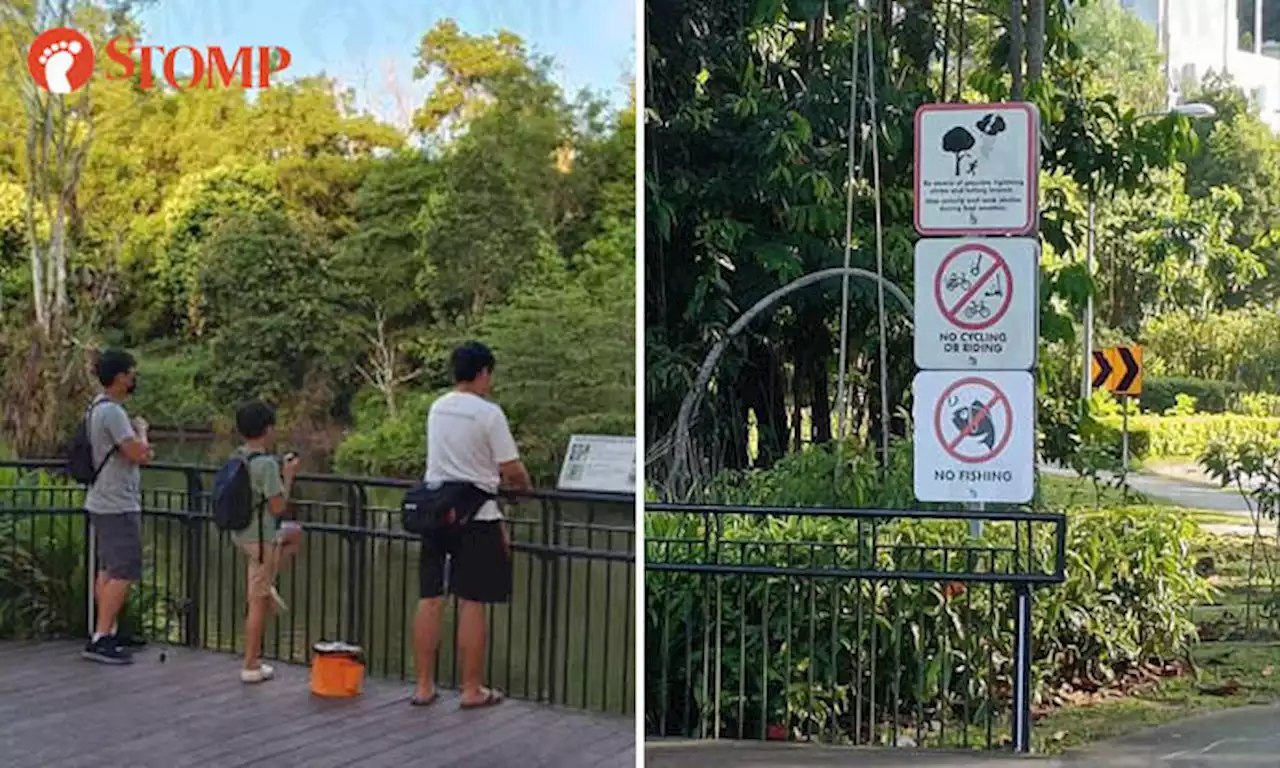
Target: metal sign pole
point(1124, 435)
point(975, 526)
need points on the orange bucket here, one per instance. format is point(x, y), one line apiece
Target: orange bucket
point(337, 670)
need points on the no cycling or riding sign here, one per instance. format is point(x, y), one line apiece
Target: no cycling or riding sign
point(975, 436)
point(976, 304)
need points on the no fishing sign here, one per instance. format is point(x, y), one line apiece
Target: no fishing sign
point(974, 436)
point(976, 303)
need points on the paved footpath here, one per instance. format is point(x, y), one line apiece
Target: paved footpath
point(1246, 737)
point(1192, 493)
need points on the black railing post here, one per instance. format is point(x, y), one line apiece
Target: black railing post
point(193, 539)
point(1022, 668)
point(356, 536)
point(91, 574)
point(550, 595)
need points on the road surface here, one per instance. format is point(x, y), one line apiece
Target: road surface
point(1246, 737)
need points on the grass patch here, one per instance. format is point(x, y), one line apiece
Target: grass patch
point(1227, 674)
point(1058, 492)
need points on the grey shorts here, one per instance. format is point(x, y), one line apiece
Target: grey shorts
point(119, 543)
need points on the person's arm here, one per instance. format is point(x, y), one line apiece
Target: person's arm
point(511, 470)
point(131, 445)
point(279, 485)
point(514, 475)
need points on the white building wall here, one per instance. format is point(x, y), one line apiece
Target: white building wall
point(1202, 36)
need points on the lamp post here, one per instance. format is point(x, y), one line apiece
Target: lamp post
point(1195, 111)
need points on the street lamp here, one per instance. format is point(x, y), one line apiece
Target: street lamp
point(1194, 111)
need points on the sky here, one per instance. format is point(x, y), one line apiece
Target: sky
point(368, 44)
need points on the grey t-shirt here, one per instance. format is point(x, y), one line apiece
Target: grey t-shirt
point(118, 488)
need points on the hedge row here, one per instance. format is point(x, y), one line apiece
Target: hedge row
point(1159, 393)
point(1152, 436)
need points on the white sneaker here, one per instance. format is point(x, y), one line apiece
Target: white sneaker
point(263, 673)
point(280, 603)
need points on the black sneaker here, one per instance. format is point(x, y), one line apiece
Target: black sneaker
point(106, 651)
point(131, 642)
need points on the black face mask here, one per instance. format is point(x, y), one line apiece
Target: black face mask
point(133, 384)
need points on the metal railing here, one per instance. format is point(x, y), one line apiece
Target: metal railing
point(846, 626)
point(566, 637)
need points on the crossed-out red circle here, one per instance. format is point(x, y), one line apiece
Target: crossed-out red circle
point(57, 41)
point(950, 446)
point(952, 314)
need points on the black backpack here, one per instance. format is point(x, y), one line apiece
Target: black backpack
point(233, 500)
point(80, 457)
point(429, 510)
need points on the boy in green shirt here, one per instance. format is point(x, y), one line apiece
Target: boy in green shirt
point(266, 543)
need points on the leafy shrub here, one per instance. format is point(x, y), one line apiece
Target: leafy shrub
point(1107, 435)
point(1251, 466)
point(172, 390)
point(1153, 436)
point(1159, 393)
point(1241, 345)
point(42, 566)
point(42, 578)
point(941, 650)
point(385, 446)
point(1257, 404)
point(277, 321)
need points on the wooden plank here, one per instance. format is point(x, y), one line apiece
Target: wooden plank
point(193, 711)
point(463, 730)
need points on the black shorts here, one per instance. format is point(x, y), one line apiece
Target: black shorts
point(118, 539)
point(471, 561)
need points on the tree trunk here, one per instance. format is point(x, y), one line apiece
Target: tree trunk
point(797, 420)
point(33, 236)
point(1017, 44)
point(820, 398)
point(762, 388)
point(1035, 41)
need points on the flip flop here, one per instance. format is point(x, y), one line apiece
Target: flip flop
point(491, 699)
point(417, 702)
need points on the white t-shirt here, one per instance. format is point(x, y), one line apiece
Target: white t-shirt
point(467, 438)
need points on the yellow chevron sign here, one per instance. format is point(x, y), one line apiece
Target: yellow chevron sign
point(1119, 369)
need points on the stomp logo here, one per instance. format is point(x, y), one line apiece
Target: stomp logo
point(61, 60)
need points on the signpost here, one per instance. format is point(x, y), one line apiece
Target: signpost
point(977, 169)
point(977, 303)
point(604, 463)
point(1119, 370)
point(975, 436)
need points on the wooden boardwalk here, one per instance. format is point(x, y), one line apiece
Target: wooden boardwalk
point(58, 710)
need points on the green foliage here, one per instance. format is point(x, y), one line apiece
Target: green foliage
point(1257, 404)
point(289, 245)
point(383, 446)
point(566, 364)
point(470, 261)
point(1127, 601)
point(196, 206)
point(381, 257)
point(174, 390)
point(1126, 53)
point(749, 139)
point(1160, 393)
point(1251, 465)
point(1241, 345)
point(1153, 436)
point(278, 323)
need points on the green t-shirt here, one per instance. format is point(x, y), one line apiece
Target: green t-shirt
point(264, 477)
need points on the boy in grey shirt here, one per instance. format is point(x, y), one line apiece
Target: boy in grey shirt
point(114, 500)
